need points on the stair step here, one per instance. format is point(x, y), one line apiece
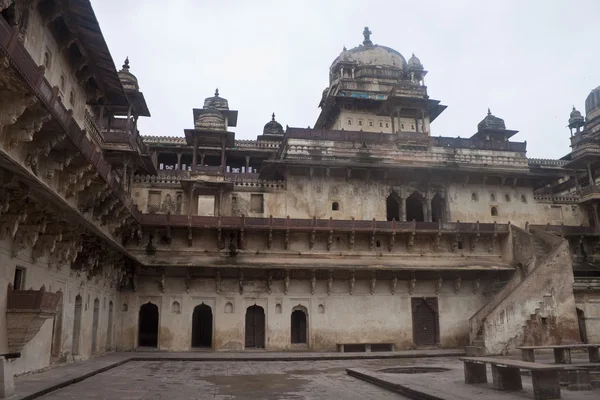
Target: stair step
point(475, 351)
point(478, 343)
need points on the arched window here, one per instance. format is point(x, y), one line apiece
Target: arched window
point(437, 208)
point(507, 197)
point(474, 196)
point(492, 197)
point(523, 199)
point(494, 212)
point(335, 206)
point(392, 205)
point(72, 98)
point(415, 208)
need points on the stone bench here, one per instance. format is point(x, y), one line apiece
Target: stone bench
point(562, 353)
point(506, 375)
point(364, 347)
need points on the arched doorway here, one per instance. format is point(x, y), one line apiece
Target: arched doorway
point(95, 318)
point(582, 327)
point(57, 328)
point(148, 326)
point(437, 208)
point(202, 326)
point(76, 325)
point(426, 325)
point(255, 327)
point(392, 206)
point(109, 329)
point(299, 326)
point(414, 208)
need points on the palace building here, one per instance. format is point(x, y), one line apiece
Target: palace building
point(369, 230)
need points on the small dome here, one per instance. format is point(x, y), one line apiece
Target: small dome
point(128, 80)
point(216, 102)
point(491, 122)
point(576, 119)
point(592, 101)
point(210, 120)
point(273, 127)
point(414, 63)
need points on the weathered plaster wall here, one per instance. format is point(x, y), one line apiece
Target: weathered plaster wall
point(37, 353)
point(38, 41)
point(360, 317)
point(466, 207)
point(589, 303)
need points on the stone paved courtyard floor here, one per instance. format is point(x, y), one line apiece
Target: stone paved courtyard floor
point(179, 380)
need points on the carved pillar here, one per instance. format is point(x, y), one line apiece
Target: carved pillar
point(202, 155)
point(155, 158)
point(195, 155)
point(399, 123)
point(128, 128)
point(223, 153)
point(178, 167)
point(247, 163)
point(403, 207)
point(576, 181)
point(220, 202)
point(596, 221)
point(590, 175)
point(427, 209)
point(392, 118)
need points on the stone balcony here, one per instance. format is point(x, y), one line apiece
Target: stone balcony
point(588, 193)
point(26, 312)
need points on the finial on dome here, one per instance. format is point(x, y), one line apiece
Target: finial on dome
point(273, 117)
point(573, 107)
point(489, 112)
point(126, 64)
point(344, 48)
point(367, 35)
point(217, 92)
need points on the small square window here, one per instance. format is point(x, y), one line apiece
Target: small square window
point(381, 124)
point(474, 196)
point(402, 125)
point(360, 122)
point(335, 206)
point(370, 123)
point(19, 279)
point(387, 124)
point(256, 203)
point(349, 122)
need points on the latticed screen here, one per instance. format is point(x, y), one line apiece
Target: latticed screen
point(256, 203)
point(153, 201)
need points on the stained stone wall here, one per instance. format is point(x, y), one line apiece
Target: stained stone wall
point(37, 353)
point(336, 318)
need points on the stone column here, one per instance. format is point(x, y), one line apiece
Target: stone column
point(124, 177)
point(220, 202)
point(247, 163)
point(202, 155)
point(393, 128)
point(577, 182)
point(191, 200)
point(596, 221)
point(428, 210)
point(403, 207)
point(195, 155)
point(590, 175)
point(155, 158)
point(223, 153)
point(178, 167)
point(7, 382)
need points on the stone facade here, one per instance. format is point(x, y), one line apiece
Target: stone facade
point(368, 228)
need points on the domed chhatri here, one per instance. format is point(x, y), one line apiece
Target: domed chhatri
point(576, 121)
point(491, 122)
point(414, 64)
point(128, 80)
point(216, 102)
point(273, 127)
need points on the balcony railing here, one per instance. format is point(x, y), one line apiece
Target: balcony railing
point(89, 123)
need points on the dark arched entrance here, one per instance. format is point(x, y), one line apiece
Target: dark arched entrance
point(437, 208)
point(392, 206)
point(414, 208)
point(299, 327)
point(426, 325)
point(255, 327)
point(148, 326)
point(582, 327)
point(202, 326)
point(95, 318)
point(76, 326)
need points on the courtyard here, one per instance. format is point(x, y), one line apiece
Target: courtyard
point(175, 380)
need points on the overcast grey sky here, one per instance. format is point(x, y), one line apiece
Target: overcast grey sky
point(529, 61)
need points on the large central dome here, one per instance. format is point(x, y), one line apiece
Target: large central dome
point(369, 54)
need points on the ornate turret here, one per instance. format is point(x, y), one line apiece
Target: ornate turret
point(492, 127)
point(128, 80)
point(414, 64)
point(216, 102)
point(272, 130)
point(576, 121)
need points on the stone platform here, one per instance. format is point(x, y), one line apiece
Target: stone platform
point(36, 385)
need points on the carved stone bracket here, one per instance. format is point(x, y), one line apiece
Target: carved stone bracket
point(286, 282)
point(373, 282)
point(313, 282)
point(438, 284)
point(241, 281)
point(457, 284)
point(393, 284)
point(351, 283)
point(412, 283)
point(330, 283)
point(270, 282)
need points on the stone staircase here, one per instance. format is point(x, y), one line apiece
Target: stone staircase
point(530, 308)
